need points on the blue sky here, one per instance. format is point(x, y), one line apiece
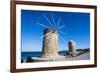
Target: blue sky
point(76, 26)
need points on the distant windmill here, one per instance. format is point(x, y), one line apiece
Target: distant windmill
point(50, 38)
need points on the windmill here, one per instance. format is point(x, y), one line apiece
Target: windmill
point(50, 37)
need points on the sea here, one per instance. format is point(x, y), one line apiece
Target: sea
point(38, 54)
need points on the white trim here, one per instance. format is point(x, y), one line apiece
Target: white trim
point(50, 64)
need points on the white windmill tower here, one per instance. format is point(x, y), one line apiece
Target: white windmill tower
point(50, 38)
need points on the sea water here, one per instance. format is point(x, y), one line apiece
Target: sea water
point(38, 54)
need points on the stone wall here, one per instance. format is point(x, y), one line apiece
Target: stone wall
point(50, 44)
point(72, 48)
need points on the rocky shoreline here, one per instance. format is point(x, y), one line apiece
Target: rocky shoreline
point(80, 56)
